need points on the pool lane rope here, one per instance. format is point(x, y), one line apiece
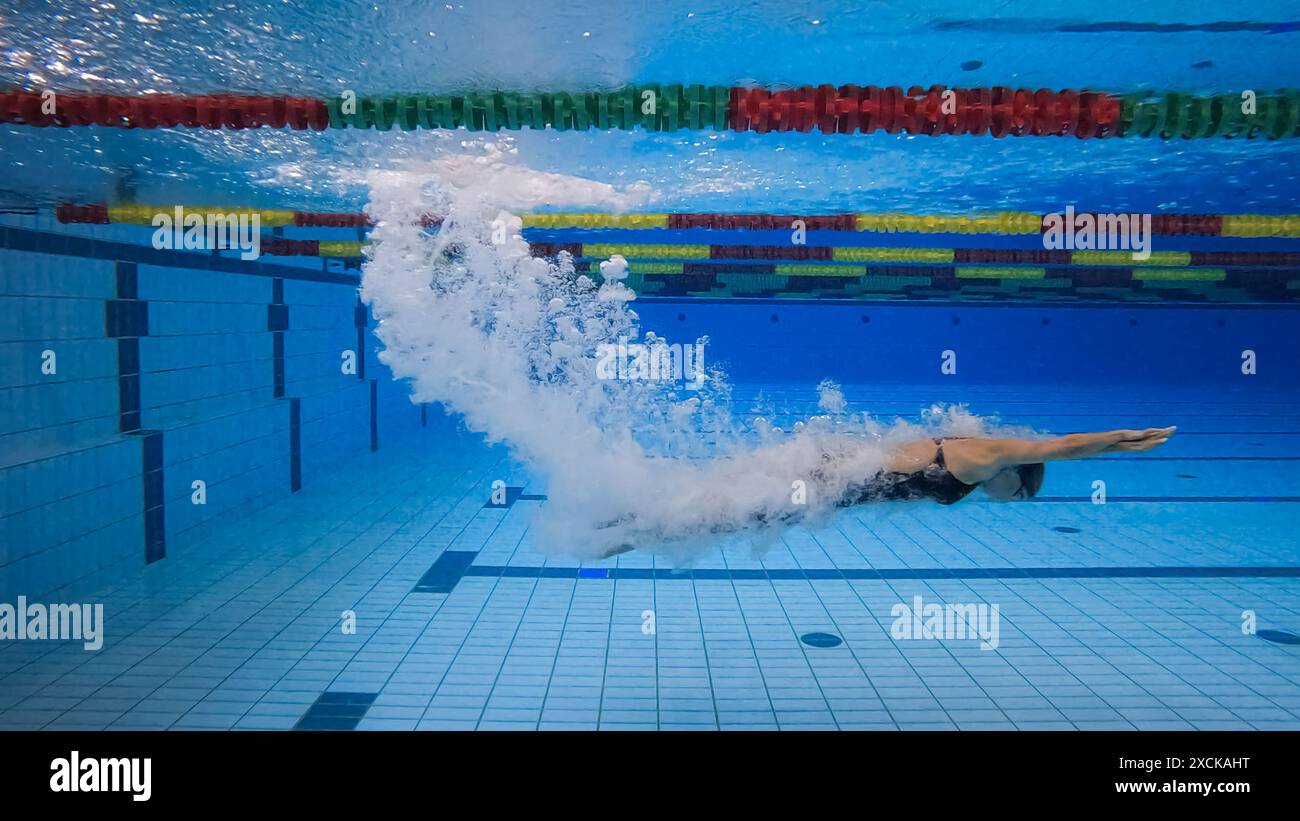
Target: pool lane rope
point(999, 111)
point(831, 255)
point(694, 259)
point(1082, 274)
point(833, 259)
point(1001, 222)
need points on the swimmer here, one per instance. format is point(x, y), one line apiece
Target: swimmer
point(947, 470)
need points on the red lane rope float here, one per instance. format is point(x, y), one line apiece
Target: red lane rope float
point(311, 219)
point(314, 219)
point(1190, 225)
point(999, 111)
point(317, 219)
point(1011, 256)
point(101, 214)
point(279, 247)
point(815, 252)
point(212, 111)
point(762, 222)
point(92, 214)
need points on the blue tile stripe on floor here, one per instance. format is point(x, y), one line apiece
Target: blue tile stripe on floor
point(336, 711)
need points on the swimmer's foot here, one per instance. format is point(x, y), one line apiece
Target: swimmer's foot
point(624, 519)
point(621, 520)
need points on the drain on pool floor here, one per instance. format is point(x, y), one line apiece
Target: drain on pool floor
point(1278, 636)
point(821, 639)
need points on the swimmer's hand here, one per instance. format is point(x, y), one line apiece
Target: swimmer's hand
point(1133, 441)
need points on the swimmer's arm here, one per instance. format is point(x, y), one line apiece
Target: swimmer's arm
point(1011, 452)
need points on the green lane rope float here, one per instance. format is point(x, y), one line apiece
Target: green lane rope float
point(674, 107)
point(1170, 115)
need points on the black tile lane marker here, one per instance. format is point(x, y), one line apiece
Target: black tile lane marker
point(514, 494)
point(155, 537)
point(446, 571)
point(295, 445)
point(882, 574)
point(374, 414)
point(277, 322)
point(277, 364)
point(336, 711)
point(359, 319)
point(126, 319)
point(128, 384)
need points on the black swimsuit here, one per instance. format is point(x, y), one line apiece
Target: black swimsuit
point(932, 482)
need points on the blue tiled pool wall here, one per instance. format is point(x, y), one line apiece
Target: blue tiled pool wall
point(165, 374)
point(1061, 346)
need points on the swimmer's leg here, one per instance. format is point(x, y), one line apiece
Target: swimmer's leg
point(616, 551)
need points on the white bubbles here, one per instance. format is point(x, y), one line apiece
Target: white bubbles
point(509, 341)
point(614, 268)
point(830, 397)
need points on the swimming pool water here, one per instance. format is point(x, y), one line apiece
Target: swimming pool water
point(270, 47)
point(348, 568)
